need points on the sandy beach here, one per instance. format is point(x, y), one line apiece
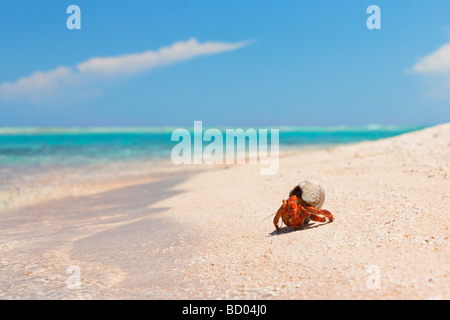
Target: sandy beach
point(199, 234)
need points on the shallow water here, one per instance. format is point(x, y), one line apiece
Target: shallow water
point(40, 242)
point(60, 147)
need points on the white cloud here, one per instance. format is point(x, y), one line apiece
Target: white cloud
point(132, 63)
point(41, 86)
point(435, 69)
point(38, 85)
point(437, 62)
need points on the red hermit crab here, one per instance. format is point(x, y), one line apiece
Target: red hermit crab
point(303, 205)
point(293, 214)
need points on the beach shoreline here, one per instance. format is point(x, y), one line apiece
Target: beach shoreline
point(41, 164)
point(389, 240)
point(37, 186)
point(33, 185)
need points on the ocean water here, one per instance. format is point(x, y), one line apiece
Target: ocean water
point(46, 147)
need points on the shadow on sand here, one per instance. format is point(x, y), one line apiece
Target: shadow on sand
point(285, 230)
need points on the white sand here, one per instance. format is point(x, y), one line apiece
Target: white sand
point(389, 240)
point(390, 237)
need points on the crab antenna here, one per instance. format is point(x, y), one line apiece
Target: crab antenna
point(268, 216)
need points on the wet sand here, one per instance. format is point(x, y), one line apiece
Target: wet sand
point(201, 236)
point(122, 246)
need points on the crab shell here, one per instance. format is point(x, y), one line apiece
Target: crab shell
point(311, 193)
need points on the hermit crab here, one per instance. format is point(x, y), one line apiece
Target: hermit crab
point(303, 205)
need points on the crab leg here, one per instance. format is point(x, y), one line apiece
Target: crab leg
point(304, 212)
point(279, 214)
point(295, 219)
point(317, 218)
point(322, 212)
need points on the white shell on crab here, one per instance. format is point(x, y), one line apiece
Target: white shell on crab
point(310, 192)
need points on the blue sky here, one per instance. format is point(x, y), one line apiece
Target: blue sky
point(238, 63)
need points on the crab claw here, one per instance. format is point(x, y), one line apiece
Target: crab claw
point(279, 213)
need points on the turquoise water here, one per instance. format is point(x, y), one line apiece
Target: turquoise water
point(78, 146)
